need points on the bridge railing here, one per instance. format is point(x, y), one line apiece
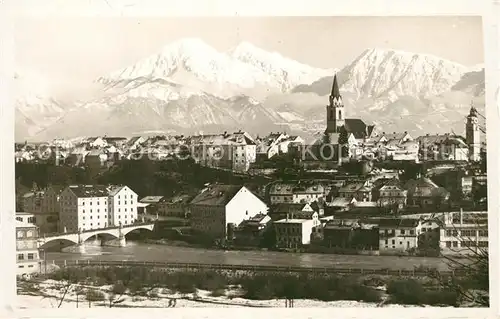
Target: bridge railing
point(258, 268)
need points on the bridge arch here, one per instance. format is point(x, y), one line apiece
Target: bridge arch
point(61, 242)
point(106, 234)
point(127, 230)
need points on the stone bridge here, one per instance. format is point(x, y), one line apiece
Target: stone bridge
point(108, 234)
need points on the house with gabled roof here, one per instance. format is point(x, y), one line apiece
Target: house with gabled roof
point(424, 192)
point(217, 210)
point(392, 194)
point(399, 235)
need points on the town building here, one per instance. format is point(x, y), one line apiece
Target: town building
point(27, 257)
point(398, 235)
point(151, 204)
point(236, 151)
point(251, 231)
point(122, 205)
point(392, 194)
point(423, 192)
point(361, 191)
point(293, 233)
point(176, 206)
point(296, 192)
point(41, 201)
point(464, 233)
point(85, 207)
point(219, 209)
point(25, 217)
point(275, 144)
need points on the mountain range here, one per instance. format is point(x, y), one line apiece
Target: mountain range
point(190, 87)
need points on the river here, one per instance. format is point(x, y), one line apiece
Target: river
point(164, 253)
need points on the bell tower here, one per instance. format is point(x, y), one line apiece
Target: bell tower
point(473, 134)
point(335, 111)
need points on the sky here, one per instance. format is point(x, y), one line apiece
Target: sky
point(80, 49)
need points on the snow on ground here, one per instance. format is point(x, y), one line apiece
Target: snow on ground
point(50, 293)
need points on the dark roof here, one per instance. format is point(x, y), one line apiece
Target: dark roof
point(286, 208)
point(113, 139)
point(317, 205)
point(358, 128)
point(342, 224)
point(89, 190)
point(335, 87)
point(398, 222)
point(216, 195)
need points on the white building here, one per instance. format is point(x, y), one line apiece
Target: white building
point(464, 232)
point(293, 233)
point(398, 235)
point(219, 209)
point(122, 206)
point(85, 207)
point(296, 192)
point(27, 257)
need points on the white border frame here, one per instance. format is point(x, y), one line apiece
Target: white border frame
point(489, 9)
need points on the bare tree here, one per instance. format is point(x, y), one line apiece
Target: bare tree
point(470, 266)
point(94, 295)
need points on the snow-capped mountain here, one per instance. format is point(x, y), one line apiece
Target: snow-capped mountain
point(189, 86)
point(35, 108)
point(243, 67)
point(289, 73)
point(378, 73)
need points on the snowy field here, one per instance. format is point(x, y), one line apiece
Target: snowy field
point(49, 294)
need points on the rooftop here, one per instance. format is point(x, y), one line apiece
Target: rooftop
point(216, 195)
point(84, 191)
point(292, 221)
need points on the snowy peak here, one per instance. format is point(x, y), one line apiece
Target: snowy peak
point(378, 72)
point(273, 63)
point(246, 66)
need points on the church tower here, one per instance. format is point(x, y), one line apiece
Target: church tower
point(335, 112)
point(472, 134)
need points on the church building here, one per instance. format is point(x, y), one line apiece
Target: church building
point(337, 123)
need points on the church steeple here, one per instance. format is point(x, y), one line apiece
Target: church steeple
point(472, 134)
point(335, 117)
point(335, 87)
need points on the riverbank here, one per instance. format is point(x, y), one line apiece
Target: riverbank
point(149, 286)
point(49, 294)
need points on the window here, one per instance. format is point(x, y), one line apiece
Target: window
point(412, 232)
point(402, 231)
point(31, 256)
point(20, 256)
point(20, 234)
point(393, 242)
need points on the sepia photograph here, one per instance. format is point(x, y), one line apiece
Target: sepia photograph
point(246, 161)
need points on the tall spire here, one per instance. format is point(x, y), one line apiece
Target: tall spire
point(473, 111)
point(335, 87)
